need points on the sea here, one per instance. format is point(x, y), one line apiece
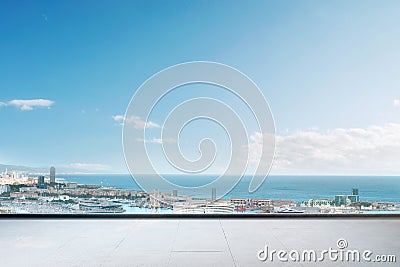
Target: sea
point(297, 188)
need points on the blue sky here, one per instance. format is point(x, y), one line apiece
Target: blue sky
point(322, 65)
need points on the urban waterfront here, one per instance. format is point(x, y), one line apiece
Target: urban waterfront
point(105, 193)
point(295, 187)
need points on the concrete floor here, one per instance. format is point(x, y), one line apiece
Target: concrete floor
point(188, 242)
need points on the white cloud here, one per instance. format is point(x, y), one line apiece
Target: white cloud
point(2, 104)
point(118, 118)
point(90, 166)
point(371, 150)
point(396, 102)
point(30, 104)
point(137, 122)
point(255, 147)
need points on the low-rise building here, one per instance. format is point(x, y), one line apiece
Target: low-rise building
point(318, 202)
point(24, 195)
point(260, 203)
point(239, 201)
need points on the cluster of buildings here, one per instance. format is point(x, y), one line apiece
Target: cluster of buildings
point(51, 181)
point(349, 204)
point(48, 195)
point(190, 205)
point(338, 200)
point(14, 178)
point(346, 200)
point(243, 204)
point(85, 191)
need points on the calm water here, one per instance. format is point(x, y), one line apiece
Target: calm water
point(298, 188)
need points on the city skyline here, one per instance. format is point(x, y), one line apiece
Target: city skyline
point(328, 70)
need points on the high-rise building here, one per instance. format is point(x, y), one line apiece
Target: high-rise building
point(214, 194)
point(175, 192)
point(40, 182)
point(354, 191)
point(353, 199)
point(340, 200)
point(52, 175)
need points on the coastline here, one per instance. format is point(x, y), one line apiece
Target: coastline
point(89, 194)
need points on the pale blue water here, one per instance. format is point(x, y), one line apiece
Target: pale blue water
point(298, 188)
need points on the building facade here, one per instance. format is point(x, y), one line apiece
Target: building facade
point(52, 175)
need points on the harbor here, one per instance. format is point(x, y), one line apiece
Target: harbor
point(21, 193)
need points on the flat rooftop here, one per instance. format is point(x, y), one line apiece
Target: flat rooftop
point(188, 242)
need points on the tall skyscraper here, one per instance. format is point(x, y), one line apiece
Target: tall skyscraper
point(52, 175)
point(214, 194)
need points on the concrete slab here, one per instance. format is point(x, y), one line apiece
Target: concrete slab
point(188, 242)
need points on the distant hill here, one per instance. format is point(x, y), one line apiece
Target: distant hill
point(3, 167)
point(43, 170)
